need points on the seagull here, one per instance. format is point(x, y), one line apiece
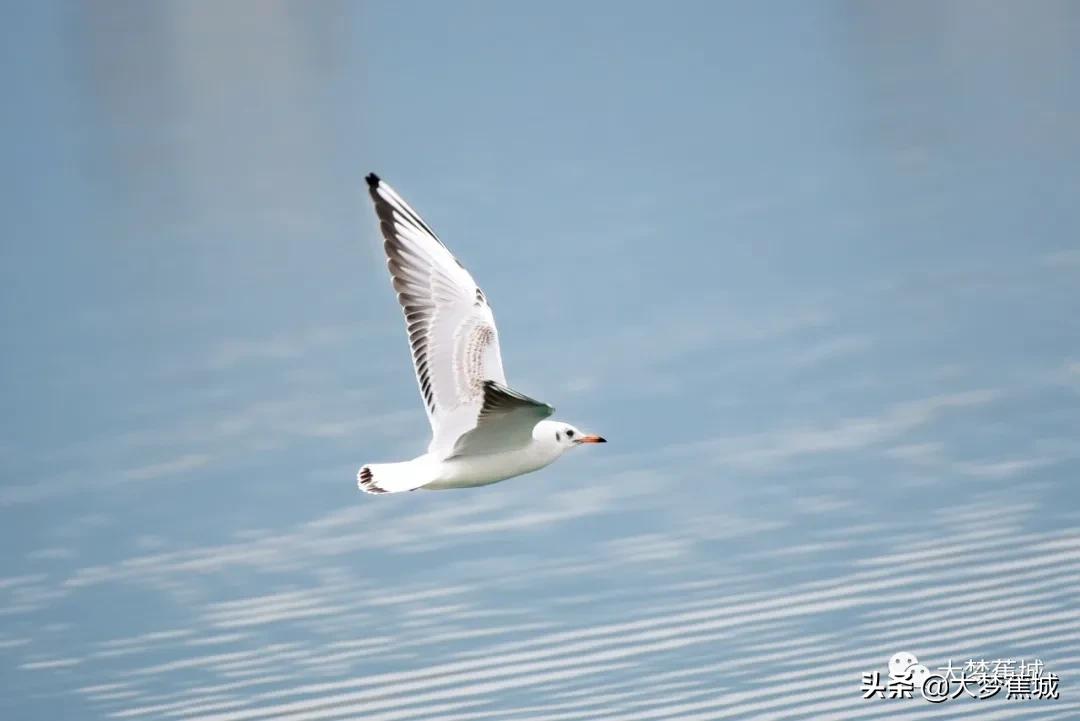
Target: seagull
point(482, 431)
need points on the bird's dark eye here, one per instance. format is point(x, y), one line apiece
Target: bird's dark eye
point(569, 434)
point(558, 436)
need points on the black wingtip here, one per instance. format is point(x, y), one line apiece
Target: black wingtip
point(372, 180)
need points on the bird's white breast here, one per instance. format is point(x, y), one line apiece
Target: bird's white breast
point(466, 471)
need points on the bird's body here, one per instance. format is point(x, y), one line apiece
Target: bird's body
point(482, 430)
point(465, 471)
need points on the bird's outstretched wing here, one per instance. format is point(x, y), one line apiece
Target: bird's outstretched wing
point(455, 346)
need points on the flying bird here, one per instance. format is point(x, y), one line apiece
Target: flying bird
point(482, 431)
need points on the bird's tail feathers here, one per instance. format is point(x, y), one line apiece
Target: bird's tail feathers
point(391, 477)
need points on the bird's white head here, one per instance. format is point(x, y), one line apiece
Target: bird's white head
point(561, 437)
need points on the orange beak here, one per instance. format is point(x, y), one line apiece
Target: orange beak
point(591, 439)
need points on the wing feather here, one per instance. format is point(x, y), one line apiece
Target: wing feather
point(452, 333)
point(506, 420)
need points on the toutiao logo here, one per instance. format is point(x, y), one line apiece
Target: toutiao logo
point(979, 679)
